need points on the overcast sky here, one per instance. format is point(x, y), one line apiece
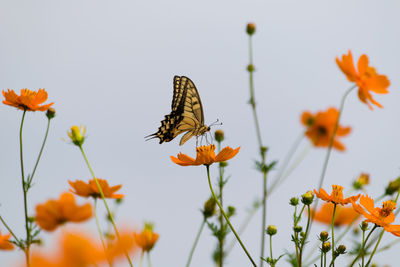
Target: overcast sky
point(110, 64)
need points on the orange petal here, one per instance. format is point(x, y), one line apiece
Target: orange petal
point(226, 154)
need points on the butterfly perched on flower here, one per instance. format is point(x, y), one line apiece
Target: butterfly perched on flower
point(186, 114)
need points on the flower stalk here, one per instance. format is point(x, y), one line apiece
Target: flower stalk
point(226, 217)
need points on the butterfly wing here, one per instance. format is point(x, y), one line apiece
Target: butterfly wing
point(186, 113)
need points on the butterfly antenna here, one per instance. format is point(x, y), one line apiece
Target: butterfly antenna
point(217, 122)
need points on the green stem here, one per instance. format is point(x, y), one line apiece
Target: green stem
point(270, 248)
point(99, 230)
point(9, 230)
point(362, 248)
point(226, 217)
point(328, 153)
point(285, 163)
point(148, 259)
point(264, 216)
point(333, 234)
point(41, 150)
point(25, 191)
point(303, 242)
point(195, 243)
point(376, 246)
point(365, 242)
point(221, 219)
point(105, 202)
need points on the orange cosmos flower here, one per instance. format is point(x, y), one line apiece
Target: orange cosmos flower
point(90, 189)
point(343, 215)
point(366, 78)
point(56, 212)
point(28, 100)
point(146, 239)
point(205, 156)
point(336, 195)
point(380, 216)
point(5, 243)
point(320, 127)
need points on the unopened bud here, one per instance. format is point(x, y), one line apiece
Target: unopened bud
point(50, 113)
point(324, 236)
point(272, 230)
point(297, 228)
point(251, 28)
point(364, 226)
point(294, 201)
point(341, 249)
point(307, 198)
point(392, 187)
point(209, 208)
point(219, 135)
point(326, 247)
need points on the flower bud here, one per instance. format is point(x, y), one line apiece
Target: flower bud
point(307, 198)
point(326, 247)
point(297, 228)
point(219, 135)
point(341, 249)
point(251, 28)
point(231, 211)
point(362, 180)
point(77, 134)
point(271, 230)
point(223, 164)
point(364, 226)
point(251, 68)
point(392, 187)
point(294, 201)
point(323, 236)
point(50, 113)
point(209, 208)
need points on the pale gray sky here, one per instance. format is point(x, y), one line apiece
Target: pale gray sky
point(109, 65)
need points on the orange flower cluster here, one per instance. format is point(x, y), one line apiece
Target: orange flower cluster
point(336, 196)
point(90, 189)
point(28, 100)
point(366, 78)
point(320, 127)
point(380, 216)
point(53, 213)
point(77, 249)
point(343, 215)
point(205, 156)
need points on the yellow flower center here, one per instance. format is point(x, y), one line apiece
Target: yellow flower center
point(337, 192)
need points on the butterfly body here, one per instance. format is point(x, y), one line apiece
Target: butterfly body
point(186, 114)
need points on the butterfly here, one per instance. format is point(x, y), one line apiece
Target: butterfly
point(186, 114)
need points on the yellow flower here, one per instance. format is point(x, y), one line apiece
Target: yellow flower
point(77, 134)
point(205, 156)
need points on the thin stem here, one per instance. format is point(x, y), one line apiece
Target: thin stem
point(9, 229)
point(285, 163)
point(226, 217)
point(25, 191)
point(362, 248)
point(366, 240)
point(141, 259)
point(264, 216)
point(303, 242)
point(376, 246)
point(221, 219)
point(328, 153)
point(99, 230)
point(333, 234)
point(322, 257)
point(148, 259)
point(195, 243)
point(104, 200)
point(270, 248)
point(41, 150)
